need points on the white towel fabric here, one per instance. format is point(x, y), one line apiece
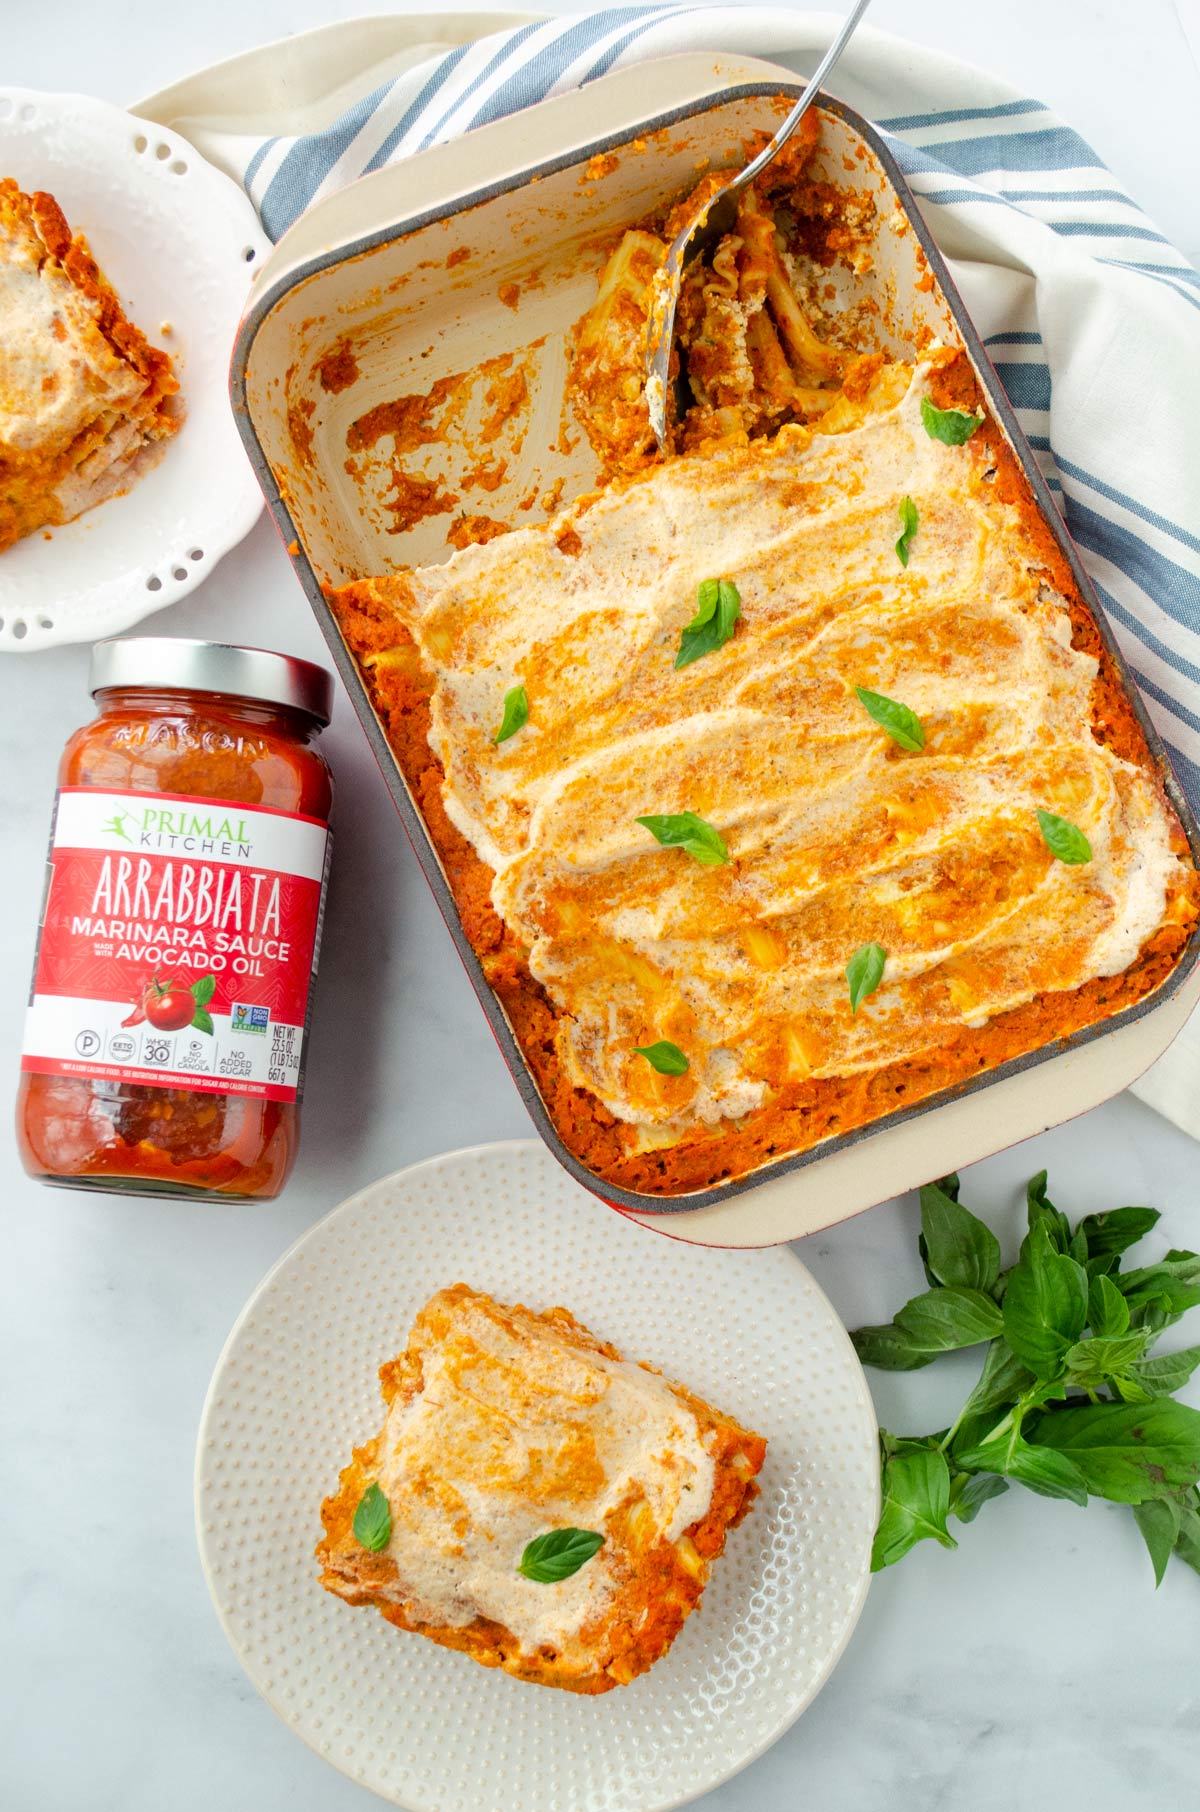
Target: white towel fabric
point(1091, 316)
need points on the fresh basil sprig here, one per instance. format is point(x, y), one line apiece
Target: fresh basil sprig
point(684, 830)
point(516, 714)
point(864, 972)
point(557, 1554)
point(1068, 1402)
point(910, 521)
point(1063, 839)
point(902, 724)
point(665, 1057)
point(953, 426)
point(718, 607)
point(372, 1523)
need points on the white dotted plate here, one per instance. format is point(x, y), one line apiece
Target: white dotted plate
point(179, 242)
point(431, 1730)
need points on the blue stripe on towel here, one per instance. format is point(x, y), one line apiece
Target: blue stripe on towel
point(1105, 229)
point(1136, 627)
point(537, 77)
point(1051, 148)
point(256, 163)
point(309, 161)
point(415, 109)
point(501, 57)
point(1027, 386)
point(1162, 523)
point(1164, 581)
point(913, 122)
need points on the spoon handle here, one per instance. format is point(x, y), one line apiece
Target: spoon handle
point(660, 328)
point(805, 102)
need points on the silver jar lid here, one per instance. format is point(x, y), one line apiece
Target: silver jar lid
point(180, 665)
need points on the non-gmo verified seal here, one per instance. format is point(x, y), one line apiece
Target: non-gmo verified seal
point(254, 1020)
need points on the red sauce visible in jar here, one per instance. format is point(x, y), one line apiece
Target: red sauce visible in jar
point(163, 1050)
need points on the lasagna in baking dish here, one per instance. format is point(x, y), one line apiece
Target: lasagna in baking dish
point(533, 1498)
point(784, 781)
point(86, 403)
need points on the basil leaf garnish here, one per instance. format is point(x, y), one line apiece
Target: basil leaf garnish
point(373, 1520)
point(1118, 1229)
point(1092, 1363)
point(557, 1554)
point(1159, 1294)
point(890, 1349)
point(1158, 1520)
point(1049, 1474)
point(718, 607)
point(1126, 1452)
point(958, 1248)
point(909, 523)
point(953, 426)
point(1108, 1311)
point(864, 972)
point(684, 830)
point(973, 1492)
point(516, 714)
point(948, 1317)
point(1002, 1380)
point(916, 1502)
point(1045, 1305)
point(665, 1057)
point(902, 724)
point(1169, 1372)
point(1063, 839)
point(1041, 1212)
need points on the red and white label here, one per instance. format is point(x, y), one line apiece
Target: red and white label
point(178, 943)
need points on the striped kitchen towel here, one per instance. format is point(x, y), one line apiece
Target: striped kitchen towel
point(1090, 314)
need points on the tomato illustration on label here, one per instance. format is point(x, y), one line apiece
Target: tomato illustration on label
point(172, 1005)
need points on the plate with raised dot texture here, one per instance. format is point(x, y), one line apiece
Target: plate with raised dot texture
point(180, 243)
point(429, 1729)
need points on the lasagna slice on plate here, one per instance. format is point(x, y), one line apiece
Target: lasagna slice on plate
point(533, 1498)
point(86, 403)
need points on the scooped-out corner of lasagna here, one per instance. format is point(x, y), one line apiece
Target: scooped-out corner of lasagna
point(533, 1499)
point(86, 402)
point(783, 781)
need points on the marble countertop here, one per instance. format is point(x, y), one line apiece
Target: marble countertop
point(1036, 1666)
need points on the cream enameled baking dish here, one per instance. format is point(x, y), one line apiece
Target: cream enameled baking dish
point(488, 247)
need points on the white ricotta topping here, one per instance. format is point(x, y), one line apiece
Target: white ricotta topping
point(836, 837)
point(517, 1432)
point(57, 371)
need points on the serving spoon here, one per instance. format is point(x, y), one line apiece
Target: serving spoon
point(710, 223)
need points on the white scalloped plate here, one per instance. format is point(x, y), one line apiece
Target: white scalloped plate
point(179, 241)
point(430, 1730)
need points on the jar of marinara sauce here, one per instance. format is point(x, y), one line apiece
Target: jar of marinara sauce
point(164, 1044)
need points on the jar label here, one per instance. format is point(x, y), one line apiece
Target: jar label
point(178, 943)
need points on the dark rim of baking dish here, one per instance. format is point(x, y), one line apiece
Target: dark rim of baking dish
point(414, 824)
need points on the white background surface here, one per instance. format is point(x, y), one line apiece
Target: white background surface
point(1034, 1668)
